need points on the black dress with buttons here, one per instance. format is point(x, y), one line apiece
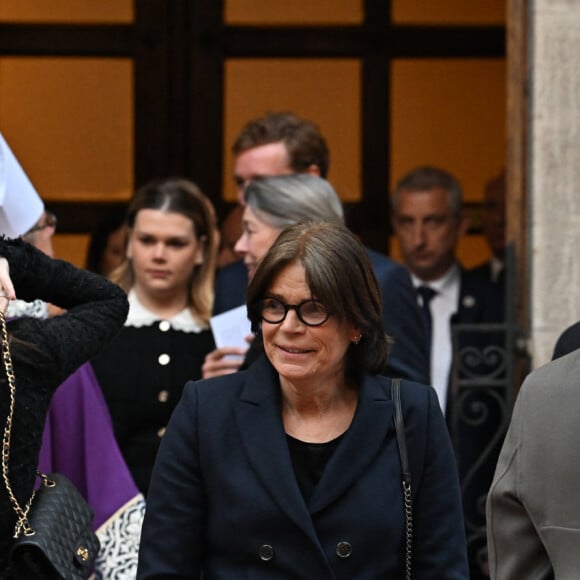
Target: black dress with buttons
point(142, 373)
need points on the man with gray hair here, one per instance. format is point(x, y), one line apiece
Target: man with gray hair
point(429, 221)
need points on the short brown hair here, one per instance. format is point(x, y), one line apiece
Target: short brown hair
point(303, 140)
point(339, 274)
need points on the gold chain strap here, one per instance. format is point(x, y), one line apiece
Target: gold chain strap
point(22, 524)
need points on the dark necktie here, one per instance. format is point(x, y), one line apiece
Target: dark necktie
point(427, 294)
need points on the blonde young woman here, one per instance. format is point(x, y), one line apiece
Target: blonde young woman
point(168, 275)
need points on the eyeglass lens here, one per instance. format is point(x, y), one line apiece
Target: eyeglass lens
point(310, 312)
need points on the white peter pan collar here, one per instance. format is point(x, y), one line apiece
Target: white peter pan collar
point(140, 316)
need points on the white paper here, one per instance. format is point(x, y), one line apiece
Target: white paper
point(20, 204)
point(231, 328)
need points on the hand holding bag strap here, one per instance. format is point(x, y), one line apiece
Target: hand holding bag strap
point(402, 444)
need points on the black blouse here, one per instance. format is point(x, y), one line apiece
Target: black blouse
point(309, 461)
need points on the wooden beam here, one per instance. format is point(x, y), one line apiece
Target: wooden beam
point(375, 126)
point(151, 73)
point(83, 40)
point(81, 217)
point(353, 41)
point(518, 299)
point(206, 127)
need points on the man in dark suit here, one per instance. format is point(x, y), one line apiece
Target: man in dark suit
point(282, 143)
point(429, 222)
point(493, 219)
point(568, 341)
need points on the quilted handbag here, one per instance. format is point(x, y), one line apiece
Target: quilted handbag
point(54, 538)
point(62, 540)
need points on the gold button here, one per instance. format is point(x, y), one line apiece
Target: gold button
point(163, 359)
point(163, 396)
point(164, 325)
point(161, 432)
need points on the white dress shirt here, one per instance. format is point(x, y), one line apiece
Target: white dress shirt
point(443, 307)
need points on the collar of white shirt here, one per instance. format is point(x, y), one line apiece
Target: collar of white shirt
point(140, 316)
point(444, 285)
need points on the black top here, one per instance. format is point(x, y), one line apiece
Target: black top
point(309, 461)
point(45, 352)
point(142, 373)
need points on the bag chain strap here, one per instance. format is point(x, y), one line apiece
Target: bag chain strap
point(408, 528)
point(406, 472)
point(22, 523)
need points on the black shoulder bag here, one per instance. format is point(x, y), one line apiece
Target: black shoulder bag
point(53, 533)
point(401, 442)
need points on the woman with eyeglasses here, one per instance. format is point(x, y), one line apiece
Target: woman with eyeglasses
point(168, 275)
point(291, 469)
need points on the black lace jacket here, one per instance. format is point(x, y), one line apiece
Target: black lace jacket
point(45, 352)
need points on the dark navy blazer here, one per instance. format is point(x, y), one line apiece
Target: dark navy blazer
point(401, 316)
point(224, 501)
point(568, 341)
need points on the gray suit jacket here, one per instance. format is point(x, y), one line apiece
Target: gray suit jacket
point(533, 508)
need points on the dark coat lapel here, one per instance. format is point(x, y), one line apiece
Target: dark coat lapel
point(259, 420)
point(480, 301)
point(262, 435)
point(373, 414)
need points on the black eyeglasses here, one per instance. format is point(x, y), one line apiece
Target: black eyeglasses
point(50, 221)
point(310, 312)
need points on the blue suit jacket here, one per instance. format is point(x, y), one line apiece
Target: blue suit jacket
point(224, 487)
point(401, 316)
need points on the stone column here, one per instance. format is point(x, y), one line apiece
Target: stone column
point(554, 184)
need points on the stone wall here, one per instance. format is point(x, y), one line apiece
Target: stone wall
point(554, 227)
